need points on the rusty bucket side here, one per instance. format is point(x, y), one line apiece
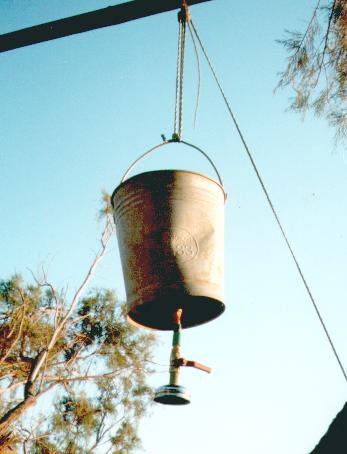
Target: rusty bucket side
point(170, 229)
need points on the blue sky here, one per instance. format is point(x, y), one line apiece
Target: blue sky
point(76, 112)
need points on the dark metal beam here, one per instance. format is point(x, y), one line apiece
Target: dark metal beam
point(105, 17)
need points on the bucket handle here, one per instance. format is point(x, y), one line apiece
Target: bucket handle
point(166, 142)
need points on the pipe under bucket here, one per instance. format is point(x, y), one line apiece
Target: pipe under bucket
point(170, 230)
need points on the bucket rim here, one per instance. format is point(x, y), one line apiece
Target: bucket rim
point(124, 183)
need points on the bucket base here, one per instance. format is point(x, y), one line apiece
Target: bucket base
point(157, 314)
point(172, 395)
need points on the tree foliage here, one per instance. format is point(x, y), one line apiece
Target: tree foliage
point(79, 359)
point(317, 65)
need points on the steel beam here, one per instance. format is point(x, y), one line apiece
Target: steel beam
point(112, 15)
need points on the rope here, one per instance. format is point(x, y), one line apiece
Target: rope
point(177, 76)
point(183, 20)
point(180, 100)
point(178, 121)
point(271, 205)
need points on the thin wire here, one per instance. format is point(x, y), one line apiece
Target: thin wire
point(270, 204)
point(199, 72)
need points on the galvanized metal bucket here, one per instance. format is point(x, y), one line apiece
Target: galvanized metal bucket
point(170, 230)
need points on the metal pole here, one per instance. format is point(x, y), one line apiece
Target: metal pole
point(112, 15)
point(176, 350)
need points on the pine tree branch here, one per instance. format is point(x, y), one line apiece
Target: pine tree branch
point(308, 27)
point(3, 359)
point(99, 433)
point(326, 38)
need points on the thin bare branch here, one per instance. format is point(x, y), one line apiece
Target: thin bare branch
point(12, 387)
point(104, 240)
point(60, 379)
point(14, 413)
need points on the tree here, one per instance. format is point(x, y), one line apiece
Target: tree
point(80, 352)
point(317, 65)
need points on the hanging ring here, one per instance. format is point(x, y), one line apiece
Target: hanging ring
point(167, 142)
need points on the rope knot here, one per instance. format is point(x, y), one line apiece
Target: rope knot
point(184, 14)
point(175, 137)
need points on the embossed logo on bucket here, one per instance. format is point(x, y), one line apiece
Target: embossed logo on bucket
point(182, 244)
